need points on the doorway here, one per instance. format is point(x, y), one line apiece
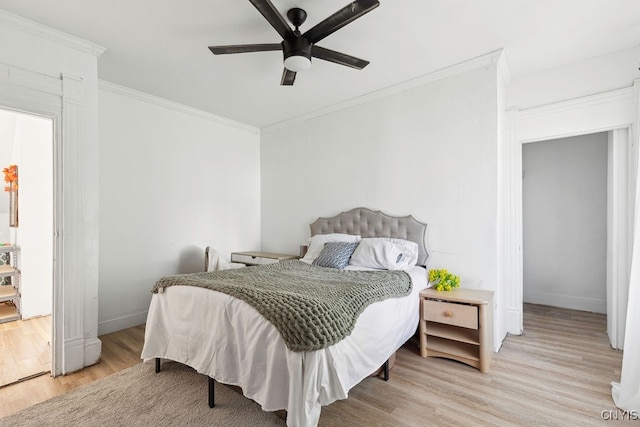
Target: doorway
point(614, 112)
point(26, 226)
point(565, 222)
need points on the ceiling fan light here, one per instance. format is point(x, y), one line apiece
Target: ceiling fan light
point(297, 63)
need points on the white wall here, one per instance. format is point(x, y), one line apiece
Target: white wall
point(33, 153)
point(565, 222)
point(430, 151)
point(171, 183)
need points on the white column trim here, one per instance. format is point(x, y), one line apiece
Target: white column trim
point(512, 287)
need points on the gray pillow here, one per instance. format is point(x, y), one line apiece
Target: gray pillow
point(335, 254)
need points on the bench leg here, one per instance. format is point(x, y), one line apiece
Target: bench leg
point(212, 396)
point(157, 365)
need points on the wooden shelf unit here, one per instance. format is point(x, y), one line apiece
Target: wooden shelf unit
point(10, 294)
point(457, 325)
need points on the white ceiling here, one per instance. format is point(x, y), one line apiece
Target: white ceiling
point(160, 46)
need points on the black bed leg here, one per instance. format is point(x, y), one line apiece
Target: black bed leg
point(157, 365)
point(212, 395)
point(385, 369)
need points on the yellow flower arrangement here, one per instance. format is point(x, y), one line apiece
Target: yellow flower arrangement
point(442, 280)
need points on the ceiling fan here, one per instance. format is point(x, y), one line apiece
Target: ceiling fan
point(298, 48)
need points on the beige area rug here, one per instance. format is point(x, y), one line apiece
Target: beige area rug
point(138, 396)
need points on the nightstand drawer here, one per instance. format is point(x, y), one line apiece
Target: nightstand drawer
point(462, 315)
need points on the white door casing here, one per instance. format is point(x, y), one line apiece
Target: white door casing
point(615, 111)
point(61, 99)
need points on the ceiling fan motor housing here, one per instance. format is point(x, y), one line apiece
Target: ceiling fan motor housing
point(297, 49)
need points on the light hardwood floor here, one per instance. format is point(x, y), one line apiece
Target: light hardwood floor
point(120, 350)
point(25, 349)
point(557, 374)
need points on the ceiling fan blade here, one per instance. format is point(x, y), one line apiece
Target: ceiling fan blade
point(271, 14)
point(338, 57)
point(288, 77)
point(347, 14)
point(242, 48)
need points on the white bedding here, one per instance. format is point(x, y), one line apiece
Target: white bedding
point(228, 340)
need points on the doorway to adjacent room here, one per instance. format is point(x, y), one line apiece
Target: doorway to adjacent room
point(26, 246)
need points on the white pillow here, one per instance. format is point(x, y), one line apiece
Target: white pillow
point(317, 242)
point(385, 253)
point(409, 251)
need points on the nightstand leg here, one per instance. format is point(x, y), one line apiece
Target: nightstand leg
point(423, 338)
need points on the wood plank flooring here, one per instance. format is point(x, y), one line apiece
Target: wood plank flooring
point(557, 374)
point(25, 349)
point(120, 350)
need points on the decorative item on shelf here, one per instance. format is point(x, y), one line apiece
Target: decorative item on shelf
point(11, 178)
point(442, 280)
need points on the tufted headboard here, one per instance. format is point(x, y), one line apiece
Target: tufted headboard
point(368, 223)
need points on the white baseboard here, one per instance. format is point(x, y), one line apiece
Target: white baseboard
point(92, 351)
point(566, 301)
point(124, 322)
point(80, 352)
point(514, 321)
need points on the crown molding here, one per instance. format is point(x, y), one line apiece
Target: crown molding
point(23, 24)
point(176, 106)
point(453, 70)
point(624, 95)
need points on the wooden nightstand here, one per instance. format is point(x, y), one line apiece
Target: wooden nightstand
point(457, 325)
point(260, 258)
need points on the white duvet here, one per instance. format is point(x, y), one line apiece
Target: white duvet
point(228, 340)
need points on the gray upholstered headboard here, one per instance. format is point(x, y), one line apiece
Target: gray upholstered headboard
point(368, 223)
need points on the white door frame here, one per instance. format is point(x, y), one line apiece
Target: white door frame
point(611, 111)
point(61, 99)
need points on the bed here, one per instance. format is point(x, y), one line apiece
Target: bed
point(230, 341)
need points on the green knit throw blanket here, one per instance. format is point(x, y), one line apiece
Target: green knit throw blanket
point(312, 307)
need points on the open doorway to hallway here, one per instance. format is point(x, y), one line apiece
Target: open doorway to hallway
point(26, 228)
point(565, 222)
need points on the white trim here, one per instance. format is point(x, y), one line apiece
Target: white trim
point(165, 103)
point(75, 236)
point(23, 24)
point(471, 64)
point(511, 184)
point(572, 104)
point(73, 355)
point(92, 350)
point(614, 110)
point(606, 111)
point(594, 305)
point(619, 202)
point(81, 352)
point(124, 322)
point(30, 79)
